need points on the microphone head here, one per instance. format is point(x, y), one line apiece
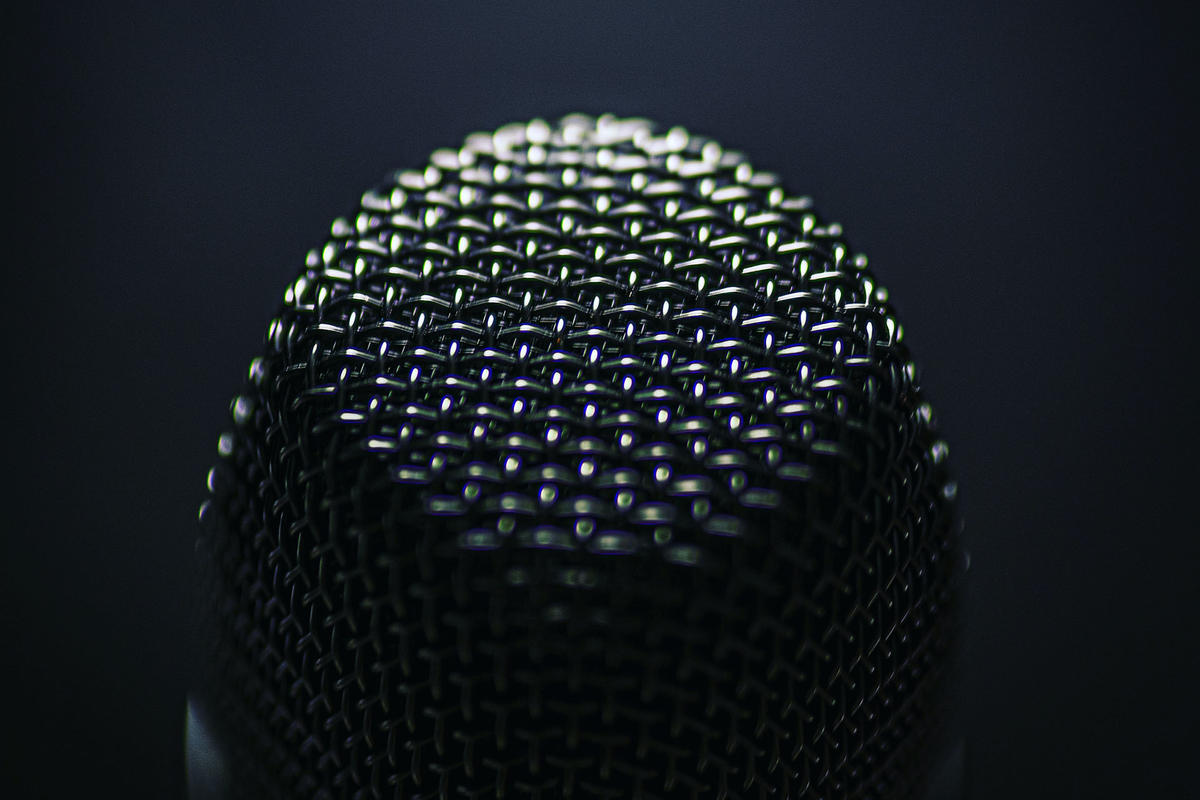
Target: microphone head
point(585, 461)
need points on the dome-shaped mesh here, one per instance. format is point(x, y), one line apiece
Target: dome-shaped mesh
point(584, 462)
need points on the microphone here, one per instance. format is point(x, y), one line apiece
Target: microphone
point(584, 462)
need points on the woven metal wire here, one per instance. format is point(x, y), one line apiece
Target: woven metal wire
point(585, 462)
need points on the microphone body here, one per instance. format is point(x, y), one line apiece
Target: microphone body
point(585, 462)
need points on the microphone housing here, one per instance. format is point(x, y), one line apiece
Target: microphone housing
point(587, 462)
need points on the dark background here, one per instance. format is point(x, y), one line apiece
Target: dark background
point(1016, 172)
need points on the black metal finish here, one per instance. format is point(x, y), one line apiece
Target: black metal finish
point(585, 462)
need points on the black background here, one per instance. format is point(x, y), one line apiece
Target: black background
point(1016, 172)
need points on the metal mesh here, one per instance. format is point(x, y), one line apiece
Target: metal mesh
point(586, 462)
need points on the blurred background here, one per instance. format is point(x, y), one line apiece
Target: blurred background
point(1015, 171)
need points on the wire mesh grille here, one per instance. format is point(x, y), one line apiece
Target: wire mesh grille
point(585, 462)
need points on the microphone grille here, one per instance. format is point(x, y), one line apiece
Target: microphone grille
point(584, 462)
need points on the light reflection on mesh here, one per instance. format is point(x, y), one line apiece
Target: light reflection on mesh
point(585, 462)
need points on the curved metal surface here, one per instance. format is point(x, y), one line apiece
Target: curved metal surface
point(586, 461)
